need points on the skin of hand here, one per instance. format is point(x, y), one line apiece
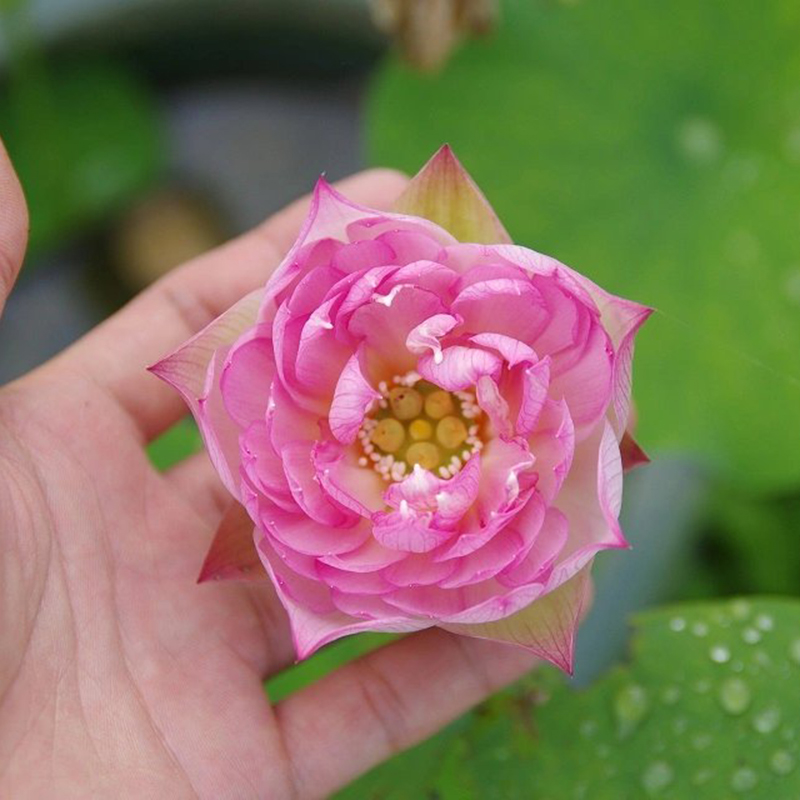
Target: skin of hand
point(119, 675)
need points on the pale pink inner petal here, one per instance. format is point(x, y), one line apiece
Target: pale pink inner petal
point(384, 324)
point(507, 306)
point(426, 336)
point(427, 275)
point(535, 379)
point(495, 406)
point(320, 356)
point(553, 443)
point(344, 481)
point(352, 398)
point(460, 367)
point(512, 350)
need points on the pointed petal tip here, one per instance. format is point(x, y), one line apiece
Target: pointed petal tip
point(632, 454)
point(232, 555)
point(445, 193)
point(444, 153)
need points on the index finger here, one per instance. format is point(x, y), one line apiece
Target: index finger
point(116, 353)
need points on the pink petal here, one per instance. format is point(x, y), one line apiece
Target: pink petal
point(444, 192)
point(233, 555)
point(263, 468)
point(460, 367)
point(411, 238)
point(591, 498)
point(586, 385)
point(323, 232)
point(311, 630)
point(495, 406)
point(623, 370)
point(320, 356)
point(632, 455)
point(485, 562)
point(511, 307)
point(363, 255)
point(547, 544)
point(478, 602)
point(508, 479)
point(449, 499)
point(367, 557)
point(247, 376)
point(186, 368)
point(553, 442)
point(413, 242)
point(512, 350)
point(427, 334)
point(302, 478)
point(428, 275)
point(219, 431)
point(535, 388)
point(418, 570)
point(194, 370)
point(352, 398)
point(349, 485)
point(353, 582)
point(286, 421)
point(385, 323)
point(305, 535)
point(407, 530)
point(546, 627)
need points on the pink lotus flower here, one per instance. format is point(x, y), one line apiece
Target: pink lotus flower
point(422, 420)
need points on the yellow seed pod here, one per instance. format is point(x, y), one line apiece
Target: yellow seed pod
point(406, 403)
point(451, 432)
point(389, 435)
point(426, 454)
point(439, 404)
point(420, 429)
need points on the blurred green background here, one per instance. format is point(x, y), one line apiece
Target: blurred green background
point(654, 147)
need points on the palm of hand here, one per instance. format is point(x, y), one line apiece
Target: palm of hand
point(131, 664)
point(119, 676)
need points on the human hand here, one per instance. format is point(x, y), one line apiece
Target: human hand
point(119, 675)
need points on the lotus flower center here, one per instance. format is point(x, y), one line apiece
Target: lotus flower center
point(416, 422)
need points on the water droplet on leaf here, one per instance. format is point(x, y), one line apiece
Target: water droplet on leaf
point(657, 777)
point(743, 779)
point(765, 622)
point(720, 654)
point(781, 762)
point(630, 708)
point(767, 721)
point(734, 696)
point(751, 636)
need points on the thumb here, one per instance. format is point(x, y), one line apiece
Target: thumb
point(13, 226)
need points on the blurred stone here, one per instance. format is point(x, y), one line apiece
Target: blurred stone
point(428, 30)
point(164, 229)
